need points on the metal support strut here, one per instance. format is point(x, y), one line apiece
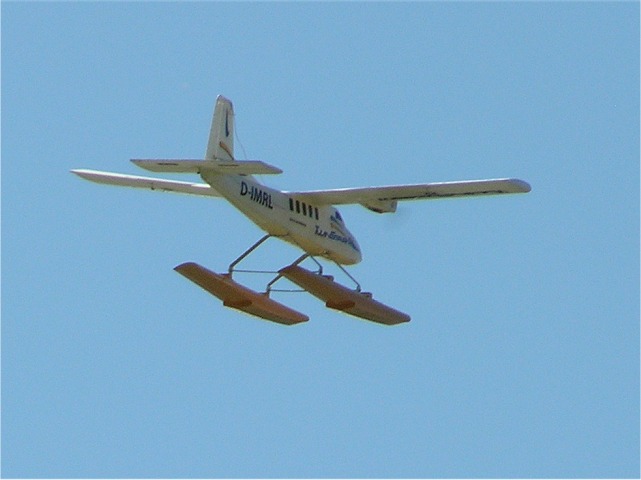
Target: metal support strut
point(268, 289)
point(279, 275)
point(358, 285)
point(230, 271)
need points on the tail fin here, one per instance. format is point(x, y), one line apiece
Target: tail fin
point(221, 136)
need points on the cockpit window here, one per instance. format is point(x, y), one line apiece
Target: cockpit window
point(338, 216)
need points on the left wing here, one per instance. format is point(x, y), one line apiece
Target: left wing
point(135, 181)
point(385, 199)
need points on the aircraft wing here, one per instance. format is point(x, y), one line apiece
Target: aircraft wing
point(384, 199)
point(123, 180)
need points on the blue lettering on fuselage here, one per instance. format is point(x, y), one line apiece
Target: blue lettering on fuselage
point(256, 194)
point(332, 235)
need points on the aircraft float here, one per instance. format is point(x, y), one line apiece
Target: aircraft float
point(306, 219)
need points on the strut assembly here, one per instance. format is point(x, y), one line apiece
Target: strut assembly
point(336, 296)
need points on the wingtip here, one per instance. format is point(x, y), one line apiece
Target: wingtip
point(82, 173)
point(520, 186)
point(525, 187)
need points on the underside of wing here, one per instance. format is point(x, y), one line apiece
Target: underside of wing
point(384, 199)
point(162, 185)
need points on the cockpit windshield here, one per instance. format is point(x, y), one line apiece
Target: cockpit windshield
point(338, 216)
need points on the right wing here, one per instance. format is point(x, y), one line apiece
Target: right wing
point(384, 199)
point(123, 180)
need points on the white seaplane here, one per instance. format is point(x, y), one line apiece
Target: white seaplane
point(307, 219)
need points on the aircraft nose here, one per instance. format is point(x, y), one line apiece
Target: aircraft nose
point(358, 256)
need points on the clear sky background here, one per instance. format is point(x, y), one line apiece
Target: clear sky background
point(522, 356)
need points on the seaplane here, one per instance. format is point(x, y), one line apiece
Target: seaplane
point(308, 220)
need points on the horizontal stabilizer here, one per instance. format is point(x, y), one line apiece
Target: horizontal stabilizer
point(342, 298)
point(246, 167)
point(239, 297)
point(122, 180)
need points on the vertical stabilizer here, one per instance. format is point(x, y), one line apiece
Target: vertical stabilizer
point(221, 136)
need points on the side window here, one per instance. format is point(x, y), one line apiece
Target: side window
point(291, 204)
point(297, 206)
point(304, 209)
point(316, 212)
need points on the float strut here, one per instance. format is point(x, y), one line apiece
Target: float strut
point(247, 252)
point(358, 285)
point(268, 289)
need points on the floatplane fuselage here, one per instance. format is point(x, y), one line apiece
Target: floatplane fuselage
point(306, 219)
point(318, 230)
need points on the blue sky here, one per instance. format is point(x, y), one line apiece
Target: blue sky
point(522, 357)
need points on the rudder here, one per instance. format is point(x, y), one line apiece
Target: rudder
point(221, 135)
